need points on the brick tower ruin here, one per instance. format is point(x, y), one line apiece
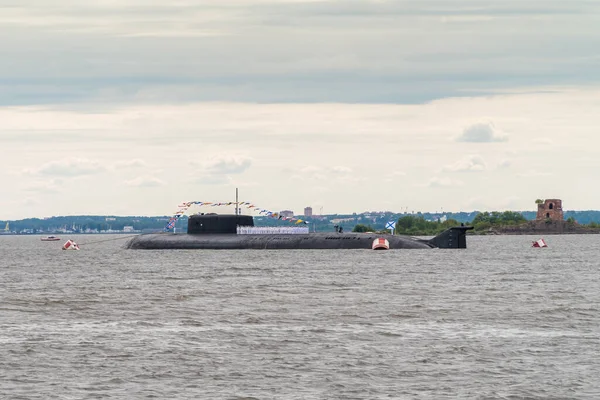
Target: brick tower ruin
point(550, 209)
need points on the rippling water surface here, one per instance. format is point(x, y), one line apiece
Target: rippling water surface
point(498, 320)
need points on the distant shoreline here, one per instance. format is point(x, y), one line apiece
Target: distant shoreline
point(545, 227)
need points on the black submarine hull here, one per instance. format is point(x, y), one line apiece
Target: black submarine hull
point(220, 232)
point(452, 238)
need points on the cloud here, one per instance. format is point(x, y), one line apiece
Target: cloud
point(309, 173)
point(341, 170)
point(443, 182)
point(308, 169)
point(203, 179)
point(309, 178)
point(543, 141)
point(130, 164)
point(45, 187)
point(533, 174)
point(263, 50)
point(145, 181)
point(30, 201)
point(504, 163)
point(218, 169)
point(393, 138)
point(227, 164)
point(72, 167)
point(481, 133)
point(511, 203)
point(392, 176)
point(312, 173)
point(472, 163)
point(500, 203)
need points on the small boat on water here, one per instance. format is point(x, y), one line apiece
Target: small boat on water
point(50, 238)
point(70, 245)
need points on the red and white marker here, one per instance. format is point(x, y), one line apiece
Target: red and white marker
point(70, 245)
point(380, 244)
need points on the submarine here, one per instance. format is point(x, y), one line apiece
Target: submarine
point(231, 232)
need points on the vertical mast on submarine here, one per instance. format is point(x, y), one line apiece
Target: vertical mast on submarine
point(236, 202)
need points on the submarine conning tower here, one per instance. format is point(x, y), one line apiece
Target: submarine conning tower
point(217, 223)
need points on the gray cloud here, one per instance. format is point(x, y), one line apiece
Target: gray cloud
point(227, 164)
point(296, 51)
point(481, 133)
point(218, 169)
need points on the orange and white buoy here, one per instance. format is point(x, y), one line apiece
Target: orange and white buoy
point(70, 245)
point(539, 243)
point(380, 244)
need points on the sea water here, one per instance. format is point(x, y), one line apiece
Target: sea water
point(498, 320)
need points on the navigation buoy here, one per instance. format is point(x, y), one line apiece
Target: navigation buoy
point(380, 244)
point(539, 243)
point(70, 245)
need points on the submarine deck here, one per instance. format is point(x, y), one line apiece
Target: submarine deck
point(158, 241)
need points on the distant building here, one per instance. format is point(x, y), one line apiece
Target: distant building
point(308, 211)
point(128, 229)
point(550, 209)
point(340, 220)
point(286, 213)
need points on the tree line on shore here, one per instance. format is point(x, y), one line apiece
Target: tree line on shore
point(417, 225)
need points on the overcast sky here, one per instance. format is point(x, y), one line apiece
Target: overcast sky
point(124, 108)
